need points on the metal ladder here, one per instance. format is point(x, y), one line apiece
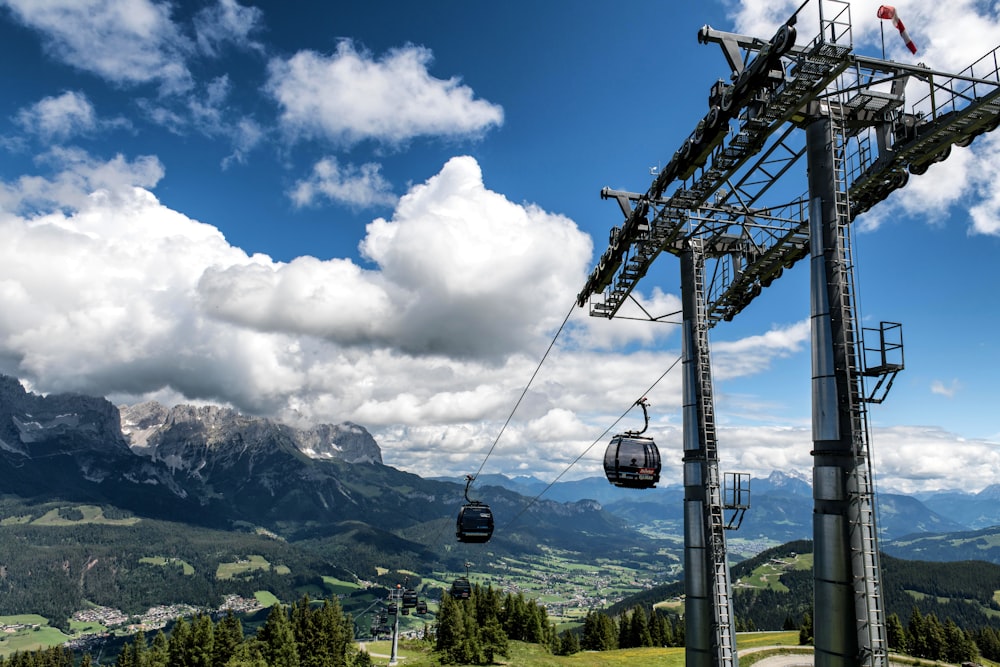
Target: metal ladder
point(865, 565)
point(715, 525)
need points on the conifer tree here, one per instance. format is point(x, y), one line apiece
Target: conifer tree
point(228, 635)
point(624, 634)
point(335, 632)
point(277, 639)
point(307, 634)
point(917, 634)
point(470, 649)
point(639, 628)
point(958, 645)
point(895, 633)
point(451, 626)
point(492, 640)
point(202, 640)
point(249, 653)
point(180, 636)
point(599, 633)
point(988, 643)
point(806, 630)
point(568, 643)
point(159, 651)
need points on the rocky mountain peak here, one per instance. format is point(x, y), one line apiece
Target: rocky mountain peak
point(185, 434)
point(348, 441)
point(31, 424)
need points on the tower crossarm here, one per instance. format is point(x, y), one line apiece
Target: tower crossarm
point(950, 109)
point(732, 144)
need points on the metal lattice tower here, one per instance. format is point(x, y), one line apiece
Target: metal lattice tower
point(736, 206)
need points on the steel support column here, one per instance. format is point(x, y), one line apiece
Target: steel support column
point(709, 623)
point(848, 619)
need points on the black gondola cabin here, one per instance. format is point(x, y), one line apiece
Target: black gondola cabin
point(475, 523)
point(632, 462)
point(409, 598)
point(461, 589)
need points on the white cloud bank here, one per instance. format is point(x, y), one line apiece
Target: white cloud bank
point(107, 291)
point(348, 97)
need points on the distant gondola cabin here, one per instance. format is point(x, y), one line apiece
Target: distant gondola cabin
point(632, 462)
point(475, 523)
point(461, 589)
point(409, 598)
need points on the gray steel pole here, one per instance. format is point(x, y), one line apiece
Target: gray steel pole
point(710, 639)
point(848, 624)
point(395, 629)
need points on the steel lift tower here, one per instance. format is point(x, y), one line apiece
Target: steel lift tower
point(736, 207)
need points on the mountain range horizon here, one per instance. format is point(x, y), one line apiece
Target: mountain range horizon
point(214, 448)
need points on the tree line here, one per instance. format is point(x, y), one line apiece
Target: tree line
point(304, 634)
point(477, 630)
point(634, 628)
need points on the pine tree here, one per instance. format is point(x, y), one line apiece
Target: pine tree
point(202, 639)
point(624, 637)
point(124, 658)
point(959, 646)
point(451, 627)
point(936, 641)
point(180, 636)
point(228, 635)
point(307, 634)
point(599, 632)
point(895, 633)
point(639, 628)
point(806, 630)
point(335, 633)
point(249, 653)
point(493, 640)
point(917, 634)
point(278, 640)
point(159, 651)
point(989, 643)
point(568, 643)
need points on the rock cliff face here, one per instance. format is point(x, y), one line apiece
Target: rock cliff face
point(33, 425)
point(185, 437)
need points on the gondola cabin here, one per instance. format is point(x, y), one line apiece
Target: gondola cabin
point(409, 598)
point(421, 607)
point(475, 523)
point(393, 609)
point(632, 462)
point(461, 589)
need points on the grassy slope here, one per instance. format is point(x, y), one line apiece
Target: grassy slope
point(532, 655)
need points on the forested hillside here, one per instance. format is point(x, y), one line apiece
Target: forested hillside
point(133, 565)
point(959, 591)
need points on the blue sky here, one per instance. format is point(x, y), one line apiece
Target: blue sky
point(382, 212)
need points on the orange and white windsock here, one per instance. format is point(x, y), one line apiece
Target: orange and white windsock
point(889, 12)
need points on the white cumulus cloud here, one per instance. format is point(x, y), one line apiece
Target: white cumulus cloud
point(59, 117)
point(362, 186)
point(128, 42)
point(348, 96)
